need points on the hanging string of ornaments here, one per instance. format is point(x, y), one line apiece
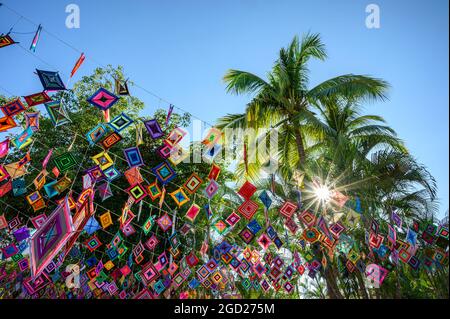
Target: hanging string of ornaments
point(58, 245)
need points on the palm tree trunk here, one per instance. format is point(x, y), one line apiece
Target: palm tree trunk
point(319, 286)
point(444, 278)
point(300, 145)
point(398, 291)
point(332, 287)
point(361, 285)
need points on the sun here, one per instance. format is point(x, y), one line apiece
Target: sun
point(322, 193)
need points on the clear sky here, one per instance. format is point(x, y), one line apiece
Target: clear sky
point(181, 49)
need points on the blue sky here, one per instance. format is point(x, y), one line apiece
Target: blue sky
point(181, 49)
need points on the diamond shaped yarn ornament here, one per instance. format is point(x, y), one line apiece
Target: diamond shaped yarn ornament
point(376, 274)
point(110, 140)
point(352, 218)
point(103, 99)
point(247, 190)
point(127, 215)
point(50, 238)
point(152, 242)
point(180, 197)
point(92, 243)
point(148, 225)
point(120, 122)
point(212, 152)
point(375, 240)
point(291, 225)
point(95, 134)
point(33, 197)
point(193, 212)
point(14, 170)
point(175, 136)
point(220, 226)
point(32, 120)
point(63, 184)
point(4, 148)
point(38, 205)
point(264, 241)
point(37, 221)
point(154, 191)
point(121, 87)
point(50, 189)
point(246, 235)
point(311, 235)
point(307, 218)
point(19, 186)
point(103, 160)
point(208, 211)
point(6, 40)
point(213, 136)
point(104, 190)
point(265, 199)
point(164, 151)
point(37, 98)
point(193, 183)
point(178, 154)
point(57, 113)
point(137, 192)
point(51, 81)
point(10, 250)
point(3, 222)
point(65, 162)
point(149, 274)
point(254, 226)
point(111, 173)
point(336, 229)
point(338, 198)
point(164, 222)
point(106, 220)
point(93, 175)
point(5, 188)
point(13, 108)
point(92, 226)
point(7, 123)
point(128, 230)
point(23, 139)
point(133, 176)
point(214, 172)
point(3, 173)
point(233, 219)
point(133, 156)
point(164, 173)
point(248, 209)
point(154, 129)
point(211, 189)
point(288, 209)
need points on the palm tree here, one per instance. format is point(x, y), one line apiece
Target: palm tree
point(385, 181)
point(284, 99)
point(324, 133)
point(399, 182)
point(341, 126)
point(285, 102)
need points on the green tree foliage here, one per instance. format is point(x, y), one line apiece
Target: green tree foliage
point(72, 136)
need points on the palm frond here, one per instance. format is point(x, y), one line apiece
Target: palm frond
point(239, 82)
point(232, 121)
point(311, 46)
point(372, 129)
point(350, 87)
point(365, 119)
